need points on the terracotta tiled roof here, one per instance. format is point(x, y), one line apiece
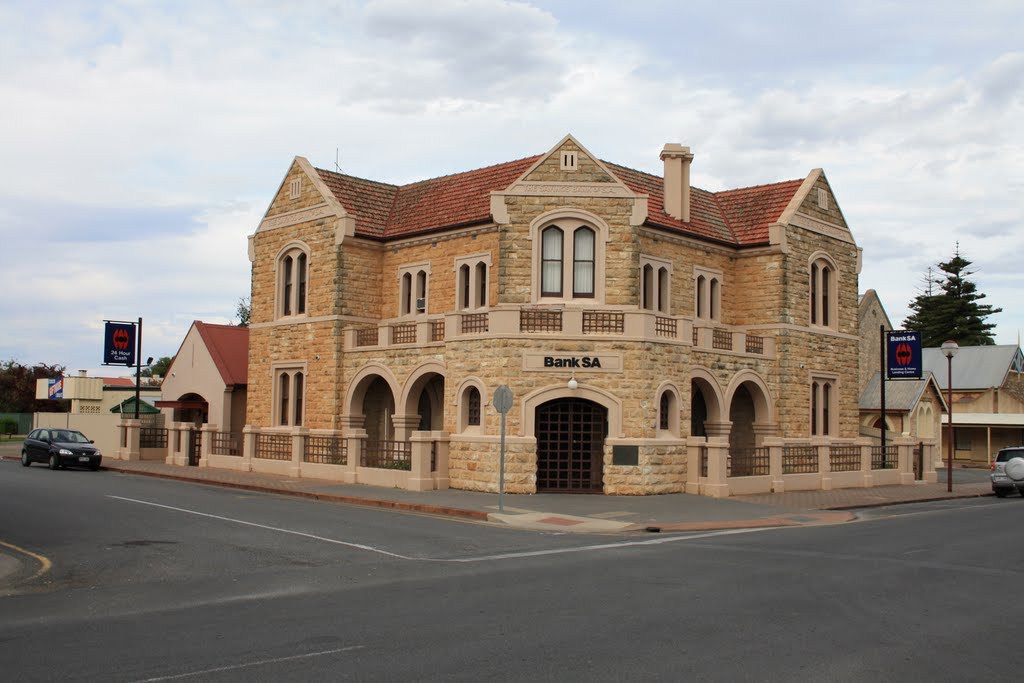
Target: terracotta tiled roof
point(119, 382)
point(751, 210)
point(229, 347)
point(385, 211)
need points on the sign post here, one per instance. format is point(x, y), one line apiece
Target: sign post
point(122, 345)
point(901, 359)
point(502, 403)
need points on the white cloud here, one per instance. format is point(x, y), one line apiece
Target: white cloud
point(145, 140)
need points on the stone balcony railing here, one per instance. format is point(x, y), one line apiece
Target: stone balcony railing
point(518, 322)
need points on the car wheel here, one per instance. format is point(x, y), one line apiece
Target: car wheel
point(54, 462)
point(1000, 493)
point(25, 462)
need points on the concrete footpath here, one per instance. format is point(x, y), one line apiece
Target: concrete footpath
point(574, 512)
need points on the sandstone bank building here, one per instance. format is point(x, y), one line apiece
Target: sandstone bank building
point(634, 317)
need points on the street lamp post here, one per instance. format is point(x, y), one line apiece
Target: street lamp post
point(949, 349)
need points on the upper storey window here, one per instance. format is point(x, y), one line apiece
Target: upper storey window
point(568, 256)
point(823, 295)
point(292, 277)
point(655, 284)
point(708, 294)
point(471, 281)
point(413, 289)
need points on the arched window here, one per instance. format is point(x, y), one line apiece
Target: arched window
point(668, 412)
point(471, 281)
point(663, 407)
point(708, 293)
point(473, 407)
point(551, 262)
point(290, 386)
point(583, 263)
point(413, 289)
point(292, 276)
point(823, 295)
point(823, 398)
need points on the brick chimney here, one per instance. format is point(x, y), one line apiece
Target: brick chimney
point(677, 180)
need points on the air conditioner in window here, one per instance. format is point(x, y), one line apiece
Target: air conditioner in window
point(421, 304)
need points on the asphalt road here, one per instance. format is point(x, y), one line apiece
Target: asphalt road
point(153, 580)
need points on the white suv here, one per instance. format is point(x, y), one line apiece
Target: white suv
point(1008, 471)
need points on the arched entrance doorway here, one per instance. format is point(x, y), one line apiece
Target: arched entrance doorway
point(570, 446)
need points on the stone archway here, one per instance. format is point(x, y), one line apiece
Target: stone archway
point(570, 446)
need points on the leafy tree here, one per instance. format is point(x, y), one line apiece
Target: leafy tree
point(18, 388)
point(952, 310)
point(158, 368)
point(243, 310)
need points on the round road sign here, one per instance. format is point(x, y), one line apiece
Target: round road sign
point(503, 399)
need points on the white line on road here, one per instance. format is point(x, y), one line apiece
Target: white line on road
point(261, 662)
point(482, 558)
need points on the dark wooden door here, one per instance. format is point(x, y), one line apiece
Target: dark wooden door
point(570, 446)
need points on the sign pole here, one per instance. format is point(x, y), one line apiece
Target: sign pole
point(502, 402)
point(138, 366)
point(881, 343)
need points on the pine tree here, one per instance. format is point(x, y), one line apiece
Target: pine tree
point(954, 312)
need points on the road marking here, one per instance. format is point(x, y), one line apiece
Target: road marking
point(359, 546)
point(262, 662)
point(44, 562)
point(481, 558)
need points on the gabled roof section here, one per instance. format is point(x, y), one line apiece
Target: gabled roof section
point(740, 216)
point(900, 395)
point(975, 367)
point(229, 347)
point(385, 211)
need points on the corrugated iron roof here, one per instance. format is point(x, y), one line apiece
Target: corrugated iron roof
point(974, 367)
point(229, 347)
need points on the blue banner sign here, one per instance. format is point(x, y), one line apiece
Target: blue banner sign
point(119, 344)
point(55, 388)
point(903, 354)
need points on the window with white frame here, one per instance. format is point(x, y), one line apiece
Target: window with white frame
point(292, 277)
point(655, 284)
point(570, 259)
point(824, 399)
point(707, 294)
point(289, 396)
point(413, 289)
point(823, 295)
point(471, 281)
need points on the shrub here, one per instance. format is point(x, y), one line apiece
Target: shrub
point(8, 426)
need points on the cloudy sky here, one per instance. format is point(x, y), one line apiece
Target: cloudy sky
point(142, 141)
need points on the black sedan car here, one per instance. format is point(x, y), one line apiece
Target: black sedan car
point(60, 448)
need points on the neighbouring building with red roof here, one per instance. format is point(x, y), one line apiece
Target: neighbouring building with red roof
point(207, 381)
point(655, 337)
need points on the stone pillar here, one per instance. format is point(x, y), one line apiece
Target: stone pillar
point(299, 435)
point(764, 431)
point(441, 476)
point(694, 447)
point(824, 447)
point(420, 478)
point(130, 449)
point(905, 458)
point(865, 462)
point(355, 440)
point(174, 440)
point(404, 426)
point(719, 430)
point(249, 433)
point(208, 432)
point(717, 484)
point(774, 446)
point(928, 462)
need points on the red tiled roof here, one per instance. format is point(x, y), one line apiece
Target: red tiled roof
point(229, 347)
point(118, 381)
point(385, 211)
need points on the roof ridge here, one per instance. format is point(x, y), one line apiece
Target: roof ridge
point(354, 177)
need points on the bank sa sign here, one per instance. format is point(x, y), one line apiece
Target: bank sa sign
point(572, 362)
point(903, 354)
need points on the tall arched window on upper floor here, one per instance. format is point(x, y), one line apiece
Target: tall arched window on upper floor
point(471, 281)
point(292, 276)
point(568, 256)
point(551, 261)
point(707, 291)
point(655, 284)
point(583, 263)
point(823, 294)
point(413, 289)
